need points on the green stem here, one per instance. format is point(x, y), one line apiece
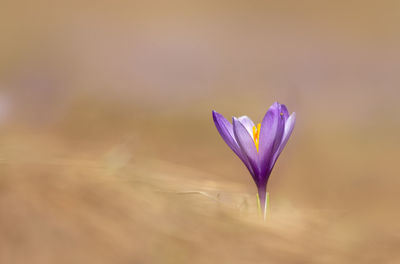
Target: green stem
point(266, 210)
point(258, 204)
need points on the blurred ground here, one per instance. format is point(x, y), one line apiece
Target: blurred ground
point(108, 152)
point(102, 200)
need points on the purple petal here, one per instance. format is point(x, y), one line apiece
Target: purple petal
point(281, 128)
point(289, 125)
point(271, 133)
point(246, 144)
point(284, 111)
point(247, 123)
point(225, 129)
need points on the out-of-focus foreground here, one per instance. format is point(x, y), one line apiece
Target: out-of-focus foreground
point(108, 152)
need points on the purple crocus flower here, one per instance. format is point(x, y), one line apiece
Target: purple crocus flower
point(258, 147)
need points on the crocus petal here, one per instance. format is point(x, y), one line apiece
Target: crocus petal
point(247, 145)
point(247, 123)
point(272, 128)
point(225, 129)
point(289, 125)
point(284, 111)
point(280, 130)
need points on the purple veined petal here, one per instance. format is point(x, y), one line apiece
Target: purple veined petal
point(225, 129)
point(247, 123)
point(289, 125)
point(281, 128)
point(272, 128)
point(247, 146)
point(284, 111)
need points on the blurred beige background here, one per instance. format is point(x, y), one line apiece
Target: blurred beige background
point(106, 133)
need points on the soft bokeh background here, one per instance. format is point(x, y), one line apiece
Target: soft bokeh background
point(108, 152)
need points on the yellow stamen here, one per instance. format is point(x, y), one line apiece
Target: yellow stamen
point(256, 134)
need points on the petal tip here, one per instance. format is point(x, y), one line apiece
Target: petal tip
point(215, 114)
point(275, 106)
point(217, 117)
point(235, 120)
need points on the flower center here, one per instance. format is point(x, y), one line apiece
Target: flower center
point(256, 134)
